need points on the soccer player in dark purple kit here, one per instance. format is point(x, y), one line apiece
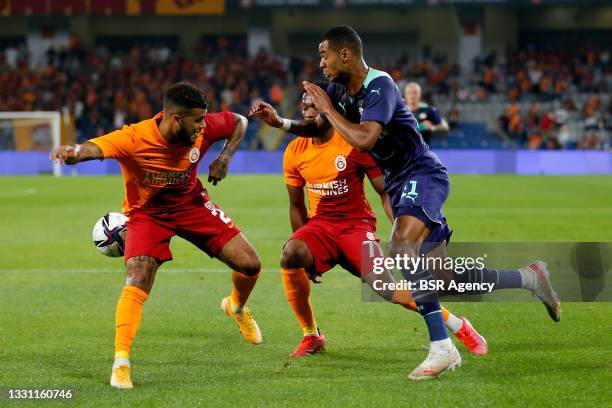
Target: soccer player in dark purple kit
point(428, 117)
point(366, 107)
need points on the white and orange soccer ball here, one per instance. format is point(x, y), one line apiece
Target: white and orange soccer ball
point(109, 234)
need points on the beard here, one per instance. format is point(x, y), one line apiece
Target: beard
point(184, 136)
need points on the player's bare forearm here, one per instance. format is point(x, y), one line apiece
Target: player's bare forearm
point(379, 186)
point(298, 215)
point(73, 154)
point(217, 170)
point(386, 203)
point(305, 127)
point(233, 141)
point(309, 127)
point(362, 136)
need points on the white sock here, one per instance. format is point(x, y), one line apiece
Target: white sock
point(441, 346)
point(528, 279)
point(235, 309)
point(121, 361)
point(453, 323)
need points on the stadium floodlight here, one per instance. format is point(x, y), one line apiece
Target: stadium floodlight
point(50, 121)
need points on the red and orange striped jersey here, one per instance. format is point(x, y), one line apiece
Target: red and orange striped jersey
point(157, 175)
point(333, 174)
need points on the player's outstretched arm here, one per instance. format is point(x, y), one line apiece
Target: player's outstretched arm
point(442, 126)
point(218, 168)
point(379, 186)
point(73, 154)
point(362, 136)
point(305, 127)
point(297, 208)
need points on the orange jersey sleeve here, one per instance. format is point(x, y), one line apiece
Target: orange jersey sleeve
point(117, 144)
point(290, 169)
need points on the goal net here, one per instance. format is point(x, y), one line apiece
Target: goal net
point(31, 131)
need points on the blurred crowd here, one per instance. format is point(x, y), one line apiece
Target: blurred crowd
point(102, 90)
point(564, 125)
point(554, 97)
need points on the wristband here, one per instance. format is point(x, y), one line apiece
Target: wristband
point(286, 124)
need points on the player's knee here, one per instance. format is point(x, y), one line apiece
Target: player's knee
point(295, 255)
point(140, 271)
point(250, 266)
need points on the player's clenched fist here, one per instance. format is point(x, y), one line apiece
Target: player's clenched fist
point(66, 154)
point(217, 170)
point(267, 113)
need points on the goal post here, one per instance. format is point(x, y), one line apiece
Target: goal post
point(45, 119)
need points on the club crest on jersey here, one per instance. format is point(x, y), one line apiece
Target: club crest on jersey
point(371, 237)
point(422, 116)
point(194, 155)
point(340, 162)
point(360, 110)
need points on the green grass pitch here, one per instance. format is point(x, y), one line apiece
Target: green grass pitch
point(58, 295)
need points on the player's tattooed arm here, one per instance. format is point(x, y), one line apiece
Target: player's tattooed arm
point(219, 167)
point(305, 127)
point(297, 207)
point(73, 154)
point(379, 186)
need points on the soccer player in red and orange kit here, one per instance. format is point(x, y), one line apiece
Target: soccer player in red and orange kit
point(159, 159)
point(334, 229)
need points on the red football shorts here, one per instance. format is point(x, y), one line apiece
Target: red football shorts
point(205, 226)
point(336, 243)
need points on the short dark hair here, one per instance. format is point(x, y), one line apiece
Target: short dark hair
point(343, 36)
point(184, 96)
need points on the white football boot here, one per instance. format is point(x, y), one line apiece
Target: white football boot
point(437, 362)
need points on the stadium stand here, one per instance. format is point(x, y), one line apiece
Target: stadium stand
point(530, 98)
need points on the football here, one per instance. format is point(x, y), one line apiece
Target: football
point(109, 234)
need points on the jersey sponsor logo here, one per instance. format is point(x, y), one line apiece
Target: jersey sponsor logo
point(340, 162)
point(329, 188)
point(194, 155)
point(167, 177)
point(376, 91)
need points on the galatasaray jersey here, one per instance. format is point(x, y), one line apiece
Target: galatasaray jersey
point(332, 174)
point(161, 176)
